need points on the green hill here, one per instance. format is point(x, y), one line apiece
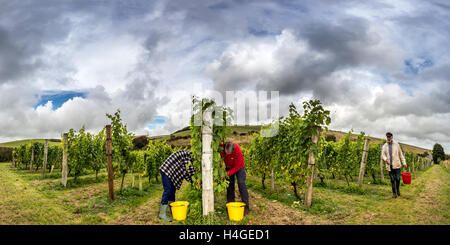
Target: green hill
point(243, 135)
point(240, 134)
point(17, 143)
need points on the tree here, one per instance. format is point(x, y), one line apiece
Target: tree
point(331, 138)
point(438, 153)
point(140, 142)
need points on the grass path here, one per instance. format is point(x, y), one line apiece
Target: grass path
point(20, 203)
point(27, 199)
point(426, 201)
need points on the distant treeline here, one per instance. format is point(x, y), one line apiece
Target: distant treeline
point(6, 154)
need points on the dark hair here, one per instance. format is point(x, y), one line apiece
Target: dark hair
point(229, 146)
point(388, 134)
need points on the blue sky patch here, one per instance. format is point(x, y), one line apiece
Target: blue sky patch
point(415, 65)
point(158, 120)
point(58, 98)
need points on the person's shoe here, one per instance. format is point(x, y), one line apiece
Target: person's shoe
point(394, 190)
point(170, 207)
point(246, 211)
point(163, 213)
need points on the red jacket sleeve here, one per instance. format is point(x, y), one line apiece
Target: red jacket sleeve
point(238, 161)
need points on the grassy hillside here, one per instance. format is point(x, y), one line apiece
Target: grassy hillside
point(21, 142)
point(240, 134)
point(243, 135)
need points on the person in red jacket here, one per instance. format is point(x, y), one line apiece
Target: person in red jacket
point(234, 162)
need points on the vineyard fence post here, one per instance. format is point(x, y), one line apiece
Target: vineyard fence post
point(32, 158)
point(64, 160)
point(44, 164)
point(207, 157)
point(363, 162)
point(109, 160)
point(311, 164)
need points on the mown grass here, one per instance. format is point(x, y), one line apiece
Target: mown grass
point(372, 204)
point(26, 198)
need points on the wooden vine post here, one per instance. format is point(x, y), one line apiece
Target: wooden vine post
point(363, 162)
point(32, 158)
point(272, 179)
point(381, 165)
point(109, 160)
point(311, 165)
point(64, 160)
point(207, 157)
point(44, 164)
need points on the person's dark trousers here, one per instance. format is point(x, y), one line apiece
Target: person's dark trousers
point(241, 176)
point(395, 181)
point(169, 189)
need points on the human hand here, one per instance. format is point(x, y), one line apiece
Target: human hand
point(388, 161)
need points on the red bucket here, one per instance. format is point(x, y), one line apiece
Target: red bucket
point(406, 178)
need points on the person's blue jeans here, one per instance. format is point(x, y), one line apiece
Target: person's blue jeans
point(169, 189)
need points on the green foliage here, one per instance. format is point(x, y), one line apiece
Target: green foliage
point(331, 138)
point(54, 156)
point(221, 119)
point(122, 142)
point(140, 142)
point(155, 155)
point(38, 149)
point(349, 155)
point(373, 161)
point(98, 151)
point(78, 150)
point(438, 153)
point(294, 141)
point(261, 156)
point(326, 164)
point(6, 154)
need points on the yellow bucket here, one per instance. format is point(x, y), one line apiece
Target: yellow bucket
point(235, 211)
point(179, 210)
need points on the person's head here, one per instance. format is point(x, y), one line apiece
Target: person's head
point(389, 137)
point(229, 147)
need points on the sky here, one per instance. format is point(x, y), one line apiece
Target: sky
point(378, 66)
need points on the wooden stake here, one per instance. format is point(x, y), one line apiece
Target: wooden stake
point(64, 161)
point(363, 162)
point(44, 164)
point(272, 178)
point(311, 164)
point(109, 160)
point(381, 165)
point(32, 158)
point(207, 158)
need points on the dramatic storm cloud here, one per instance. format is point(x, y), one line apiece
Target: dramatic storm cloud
point(378, 66)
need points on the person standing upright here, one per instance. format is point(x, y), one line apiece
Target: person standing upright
point(392, 154)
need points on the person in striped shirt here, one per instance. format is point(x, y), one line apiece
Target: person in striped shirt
point(174, 170)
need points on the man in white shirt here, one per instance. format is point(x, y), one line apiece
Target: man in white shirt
point(392, 154)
